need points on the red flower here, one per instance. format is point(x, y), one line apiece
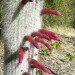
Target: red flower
point(31, 40)
point(55, 38)
point(21, 54)
point(50, 11)
point(40, 35)
point(51, 34)
point(26, 73)
point(43, 42)
point(36, 64)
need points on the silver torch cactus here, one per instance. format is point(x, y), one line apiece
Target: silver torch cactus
point(20, 18)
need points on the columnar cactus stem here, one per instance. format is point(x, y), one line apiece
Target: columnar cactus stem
point(19, 20)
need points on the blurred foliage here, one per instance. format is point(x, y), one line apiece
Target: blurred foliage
point(0, 16)
point(55, 46)
point(40, 72)
point(70, 57)
point(45, 52)
point(66, 7)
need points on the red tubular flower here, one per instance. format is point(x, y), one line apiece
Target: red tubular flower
point(36, 64)
point(50, 11)
point(25, 1)
point(33, 41)
point(26, 73)
point(21, 54)
point(55, 38)
point(40, 35)
point(43, 42)
point(51, 34)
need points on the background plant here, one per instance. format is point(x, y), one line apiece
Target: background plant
point(66, 7)
point(0, 16)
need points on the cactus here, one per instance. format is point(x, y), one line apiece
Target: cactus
point(19, 20)
point(22, 32)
